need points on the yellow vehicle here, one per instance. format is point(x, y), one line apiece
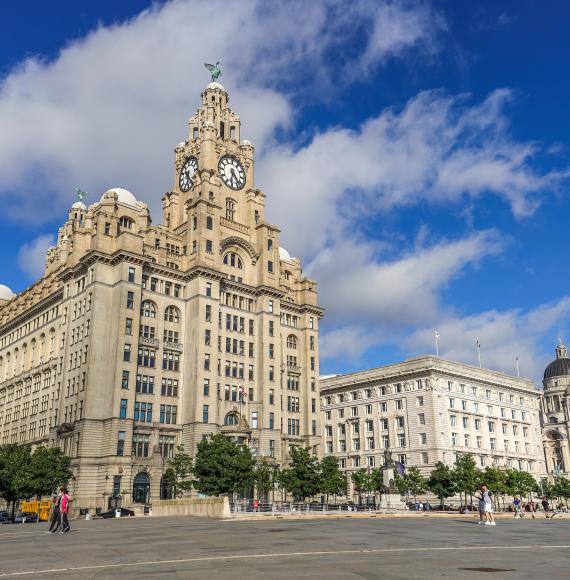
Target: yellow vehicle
point(32, 507)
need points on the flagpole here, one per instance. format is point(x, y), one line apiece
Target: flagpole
point(479, 352)
point(518, 371)
point(437, 344)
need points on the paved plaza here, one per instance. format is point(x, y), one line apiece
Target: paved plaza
point(340, 548)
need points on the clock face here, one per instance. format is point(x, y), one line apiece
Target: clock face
point(231, 172)
point(186, 177)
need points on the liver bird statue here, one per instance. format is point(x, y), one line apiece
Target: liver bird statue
point(80, 193)
point(215, 70)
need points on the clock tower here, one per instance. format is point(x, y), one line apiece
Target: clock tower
point(261, 348)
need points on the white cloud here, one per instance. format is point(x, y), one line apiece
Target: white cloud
point(355, 284)
point(32, 256)
point(438, 150)
point(504, 335)
point(109, 109)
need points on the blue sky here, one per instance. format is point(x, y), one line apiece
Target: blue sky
point(428, 142)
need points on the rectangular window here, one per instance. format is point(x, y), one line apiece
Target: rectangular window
point(123, 409)
point(271, 396)
point(129, 326)
point(125, 380)
point(168, 414)
point(127, 353)
point(209, 247)
point(208, 288)
point(206, 387)
point(121, 443)
point(272, 420)
point(205, 413)
point(131, 274)
point(254, 420)
point(206, 362)
point(421, 419)
point(270, 266)
point(270, 305)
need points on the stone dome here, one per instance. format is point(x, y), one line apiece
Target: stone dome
point(560, 366)
point(216, 85)
point(6, 293)
point(246, 142)
point(124, 196)
point(284, 254)
point(79, 205)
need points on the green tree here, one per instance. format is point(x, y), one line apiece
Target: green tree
point(441, 482)
point(562, 488)
point(265, 476)
point(466, 475)
point(302, 478)
point(411, 483)
point(362, 482)
point(178, 477)
point(15, 473)
point(332, 480)
point(222, 466)
point(520, 483)
point(49, 469)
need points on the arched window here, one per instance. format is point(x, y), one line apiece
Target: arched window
point(232, 259)
point(230, 209)
point(148, 309)
point(231, 419)
point(126, 222)
point(172, 314)
point(287, 275)
point(141, 488)
point(291, 341)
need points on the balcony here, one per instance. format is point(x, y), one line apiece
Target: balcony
point(242, 229)
point(148, 341)
point(292, 368)
point(172, 346)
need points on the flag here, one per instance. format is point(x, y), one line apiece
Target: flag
point(436, 335)
point(478, 344)
point(242, 393)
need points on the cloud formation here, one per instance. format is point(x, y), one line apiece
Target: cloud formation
point(109, 109)
point(32, 256)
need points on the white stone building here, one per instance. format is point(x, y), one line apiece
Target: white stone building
point(428, 409)
point(141, 337)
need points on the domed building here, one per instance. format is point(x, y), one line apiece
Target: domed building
point(145, 335)
point(556, 413)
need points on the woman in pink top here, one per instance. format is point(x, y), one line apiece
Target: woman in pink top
point(64, 507)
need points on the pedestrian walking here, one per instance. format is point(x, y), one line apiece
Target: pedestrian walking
point(64, 507)
point(55, 519)
point(487, 498)
point(517, 506)
point(545, 506)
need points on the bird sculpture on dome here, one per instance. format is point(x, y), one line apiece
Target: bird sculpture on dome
point(215, 70)
point(80, 193)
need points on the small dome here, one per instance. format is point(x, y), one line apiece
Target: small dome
point(284, 254)
point(181, 144)
point(79, 205)
point(558, 368)
point(246, 142)
point(124, 196)
point(216, 85)
point(6, 293)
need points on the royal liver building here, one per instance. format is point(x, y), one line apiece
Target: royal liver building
point(141, 337)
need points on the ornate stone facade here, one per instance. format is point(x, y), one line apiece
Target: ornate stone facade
point(428, 409)
point(556, 413)
point(141, 337)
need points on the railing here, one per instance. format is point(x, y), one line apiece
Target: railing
point(234, 225)
point(148, 341)
point(248, 508)
point(172, 346)
point(291, 368)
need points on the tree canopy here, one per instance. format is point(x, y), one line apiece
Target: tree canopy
point(222, 466)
